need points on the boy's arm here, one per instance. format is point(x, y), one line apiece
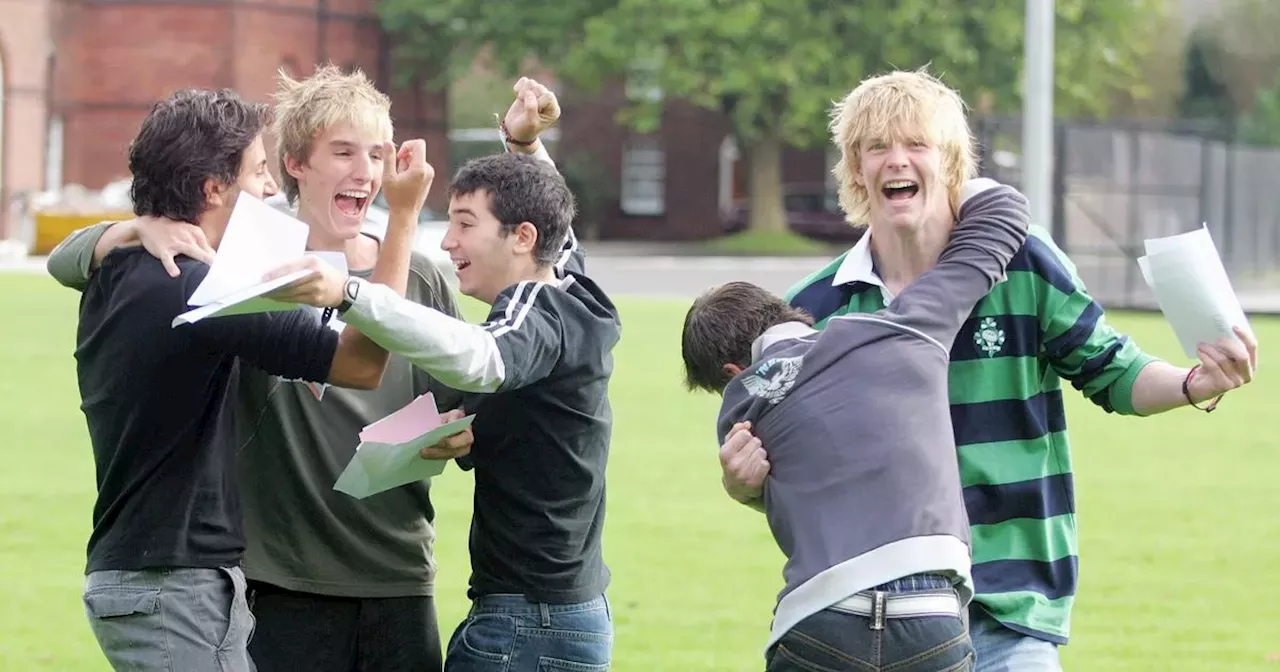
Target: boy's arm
point(75, 258)
point(518, 346)
point(744, 465)
point(992, 228)
point(435, 293)
point(296, 344)
point(80, 253)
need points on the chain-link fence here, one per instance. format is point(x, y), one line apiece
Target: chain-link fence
point(1116, 185)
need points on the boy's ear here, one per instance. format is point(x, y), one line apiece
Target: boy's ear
point(732, 370)
point(526, 238)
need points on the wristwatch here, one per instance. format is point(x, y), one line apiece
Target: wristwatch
point(349, 293)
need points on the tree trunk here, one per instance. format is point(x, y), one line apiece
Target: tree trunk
point(764, 200)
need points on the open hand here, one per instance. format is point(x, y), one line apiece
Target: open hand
point(165, 239)
point(450, 447)
point(406, 175)
point(1224, 365)
point(744, 464)
point(321, 287)
point(534, 110)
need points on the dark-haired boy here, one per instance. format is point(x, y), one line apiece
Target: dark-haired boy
point(863, 494)
point(164, 588)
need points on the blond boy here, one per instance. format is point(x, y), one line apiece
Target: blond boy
point(906, 149)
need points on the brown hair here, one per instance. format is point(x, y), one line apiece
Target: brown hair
point(720, 327)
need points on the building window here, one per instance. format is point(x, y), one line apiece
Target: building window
point(643, 177)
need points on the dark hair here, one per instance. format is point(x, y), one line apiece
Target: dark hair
point(522, 189)
point(720, 327)
point(186, 139)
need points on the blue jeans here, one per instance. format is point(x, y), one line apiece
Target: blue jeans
point(1001, 649)
point(508, 633)
point(177, 619)
point(897, 632)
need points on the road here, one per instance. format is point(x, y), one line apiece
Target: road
point(684, 277)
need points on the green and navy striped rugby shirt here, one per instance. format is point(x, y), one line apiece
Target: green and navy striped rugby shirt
point(1037, 327)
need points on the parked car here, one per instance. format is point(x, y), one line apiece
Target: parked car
point(810, 213)
point(431, 230)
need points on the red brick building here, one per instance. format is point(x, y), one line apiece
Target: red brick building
point(78, 76)
point(674, 184)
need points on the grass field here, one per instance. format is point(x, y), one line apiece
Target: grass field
point(1179, 515)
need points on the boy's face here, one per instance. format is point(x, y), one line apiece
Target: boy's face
point(254, 176)
point(486, 261)
point(339, 180)
point(253, 179)
point(904, 182)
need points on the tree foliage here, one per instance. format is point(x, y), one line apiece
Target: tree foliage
point(776, 66)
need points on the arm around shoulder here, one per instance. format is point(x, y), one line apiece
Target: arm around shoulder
point(80, 253)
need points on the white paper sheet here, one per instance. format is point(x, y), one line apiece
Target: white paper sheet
point(1192, 288)
point(258, 239)
point(388, 454)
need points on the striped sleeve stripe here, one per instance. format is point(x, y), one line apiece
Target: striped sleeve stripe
point(517, 309)
point(570, 246)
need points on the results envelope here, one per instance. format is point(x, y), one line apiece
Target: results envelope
point(387, 456)
point(258, 238)
point(1192, 288)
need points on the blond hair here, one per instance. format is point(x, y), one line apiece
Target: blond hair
point(306, 108)
point(889, 107)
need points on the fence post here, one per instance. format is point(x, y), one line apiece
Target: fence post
point(1058, 230)
point(1135, 178)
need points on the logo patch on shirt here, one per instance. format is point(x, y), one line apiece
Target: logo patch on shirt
point(989, 337)
point(773, 379)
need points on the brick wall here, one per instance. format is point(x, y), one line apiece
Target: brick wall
point(690, 137)
point(114, 59)
point(24, 59)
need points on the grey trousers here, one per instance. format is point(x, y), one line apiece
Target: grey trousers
point(177, 620)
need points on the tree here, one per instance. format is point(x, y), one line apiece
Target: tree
point(774, 67)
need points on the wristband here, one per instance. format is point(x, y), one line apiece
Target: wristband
point(506, 137)
point(1186, 392)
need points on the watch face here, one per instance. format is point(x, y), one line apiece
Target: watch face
point(353, 288)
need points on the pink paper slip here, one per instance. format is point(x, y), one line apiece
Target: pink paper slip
point(406, 424)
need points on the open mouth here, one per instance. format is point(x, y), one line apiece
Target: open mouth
point(351, 203)
point(900, 190)
point(460, 264)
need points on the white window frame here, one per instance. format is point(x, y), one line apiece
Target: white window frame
point(644, 171)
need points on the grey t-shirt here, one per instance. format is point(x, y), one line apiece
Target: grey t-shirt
point(302, 534)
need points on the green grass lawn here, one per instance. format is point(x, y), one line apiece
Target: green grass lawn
point(1179, 515)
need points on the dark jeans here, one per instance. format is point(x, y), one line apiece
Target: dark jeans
point(834, 639)
point(508, 633)
point(319, 633)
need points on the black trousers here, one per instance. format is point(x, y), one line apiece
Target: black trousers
point(319, 633)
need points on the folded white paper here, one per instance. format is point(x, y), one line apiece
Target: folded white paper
point(1192, 289)
point(258, 239)
point(388, 454)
